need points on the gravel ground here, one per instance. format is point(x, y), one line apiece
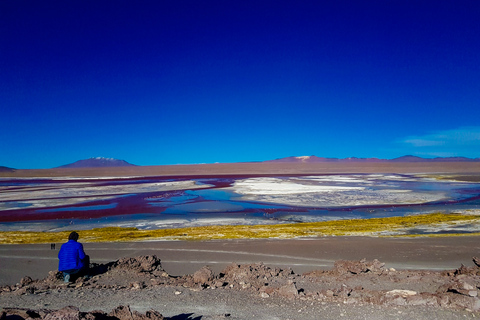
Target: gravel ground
point(351, 290)
point(218, 304)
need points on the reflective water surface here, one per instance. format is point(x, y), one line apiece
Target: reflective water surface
point(158, 202)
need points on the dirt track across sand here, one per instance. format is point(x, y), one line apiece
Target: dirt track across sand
point(302, 255)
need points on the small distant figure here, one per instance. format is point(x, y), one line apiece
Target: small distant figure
point(73, 260)
point(52, 246)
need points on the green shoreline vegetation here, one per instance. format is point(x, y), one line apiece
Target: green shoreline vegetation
point(384, 227)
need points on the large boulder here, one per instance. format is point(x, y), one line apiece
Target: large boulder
point(342, 267)
point(203, 276)
point(125, 313)
point(73, 313)
point(147, 263)
point(67, 313)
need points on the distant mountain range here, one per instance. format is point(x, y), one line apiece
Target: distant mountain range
point(98, 163)
point(314, 159)
point(110, 162)
point(6, 169)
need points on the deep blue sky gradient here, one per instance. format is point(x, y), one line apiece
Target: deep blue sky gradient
point(179, 82)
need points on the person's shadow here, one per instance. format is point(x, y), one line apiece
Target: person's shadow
point(98, 268)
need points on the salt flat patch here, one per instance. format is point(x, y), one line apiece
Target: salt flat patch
point(262, 186)
point(46, 203)
point(69, 190)
point(74, 193)
point(330, 191)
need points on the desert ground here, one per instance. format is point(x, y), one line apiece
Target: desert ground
point(331, 278)
point(312, 278)
point(255, 168)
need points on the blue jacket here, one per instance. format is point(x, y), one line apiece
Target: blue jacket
point(71, 255)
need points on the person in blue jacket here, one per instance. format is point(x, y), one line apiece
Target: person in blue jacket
point(73, 260)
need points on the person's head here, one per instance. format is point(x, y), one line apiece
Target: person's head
point(73, 236)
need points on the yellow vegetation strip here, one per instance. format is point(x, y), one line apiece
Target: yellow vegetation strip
point(393, 226)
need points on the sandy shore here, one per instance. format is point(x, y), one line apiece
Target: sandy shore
point(302, 255)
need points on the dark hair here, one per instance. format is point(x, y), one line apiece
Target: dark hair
point(73, 236)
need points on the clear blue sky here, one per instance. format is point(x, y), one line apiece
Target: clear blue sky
point(179, 82)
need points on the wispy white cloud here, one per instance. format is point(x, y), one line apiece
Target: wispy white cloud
point(464, 141)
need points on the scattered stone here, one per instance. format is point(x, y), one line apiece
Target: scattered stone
point(203, 276)
point(357, 267)
point(147, 263)
point(402, 293)
point(349, 282)
point(125, 313)
point(476, 261)
point(289, 291)
point(473, 293)
point(26, 281)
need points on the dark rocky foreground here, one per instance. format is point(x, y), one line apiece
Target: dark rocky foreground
point(143, 281)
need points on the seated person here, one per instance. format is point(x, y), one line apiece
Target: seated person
point(73, 260)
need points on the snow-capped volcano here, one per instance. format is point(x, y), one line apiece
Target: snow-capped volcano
point(97, 162)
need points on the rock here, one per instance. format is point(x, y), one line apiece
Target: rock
point(203, 276)
point(401, 293)
point(25, 290)
point(466, 286)
point(268, 290)
point(147, 263)
point(54, 276)
point(464, 271)
point(19, 312)
point(264, 295)
point(25, 281)
point(136, 285)
point(458, 301)
point(122, 313)
point(357, 267)
point(459, 287)
point(417, 301)
point(350, 301)
point(73, 313)
point(67, 313)
point(254, 274)
point(289, 291)
point(125, 313)
point(476, 261)
point(476, 305)
point(399, 301)
point(153, 315)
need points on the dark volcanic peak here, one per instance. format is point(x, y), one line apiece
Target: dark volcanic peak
point(98, 163)
point(6, 169)
point(409, 158)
